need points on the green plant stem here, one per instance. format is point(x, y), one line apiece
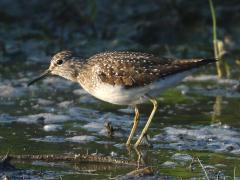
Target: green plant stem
point(215, 41)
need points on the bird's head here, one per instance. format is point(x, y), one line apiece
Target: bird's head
point(63, 64)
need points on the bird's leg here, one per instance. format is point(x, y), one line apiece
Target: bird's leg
point(144, 131)
point(135, 123)
point(149, 144)
point(140, 160)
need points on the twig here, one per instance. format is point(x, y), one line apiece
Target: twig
point(141, 172)
point(77, 158)
point(110, 129)
point(203, 168)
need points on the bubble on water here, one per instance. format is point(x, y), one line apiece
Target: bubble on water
point(169, 164)
point(128, 110)
point(113, 154)
point(182, 157)
point(236, 151)
point(44, 102)
point(220, 165)
point(81, 139)
point(214, 138)
point(105, 142)
point(52, 127)
point(47, 118)
point(120, 146)
point(65, 104)
point(94, 126)
point(52, 139)
point(225, 126)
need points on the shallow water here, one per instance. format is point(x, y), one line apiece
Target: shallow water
point(199, 118)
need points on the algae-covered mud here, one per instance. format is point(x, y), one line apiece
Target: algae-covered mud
point(196, 130)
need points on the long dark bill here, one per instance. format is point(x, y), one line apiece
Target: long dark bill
point(42, 76)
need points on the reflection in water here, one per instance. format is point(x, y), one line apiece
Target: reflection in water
point(138, 154)
point(217, 110)
point(140, 157)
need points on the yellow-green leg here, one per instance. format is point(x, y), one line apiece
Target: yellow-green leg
point(144, 131)
point(135, 123)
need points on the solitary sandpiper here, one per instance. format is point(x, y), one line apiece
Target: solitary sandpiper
point(124, 78)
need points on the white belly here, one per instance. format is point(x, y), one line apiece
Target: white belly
point(122, 96)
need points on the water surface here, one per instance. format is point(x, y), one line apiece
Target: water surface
point(199, 118)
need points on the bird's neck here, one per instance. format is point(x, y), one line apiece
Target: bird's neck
point(73, 71)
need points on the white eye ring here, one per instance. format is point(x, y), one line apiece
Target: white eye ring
point(60, 62)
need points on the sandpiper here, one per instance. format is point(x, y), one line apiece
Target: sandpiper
point(124, 78)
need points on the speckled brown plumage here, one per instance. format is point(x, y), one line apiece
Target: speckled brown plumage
point(133, 69)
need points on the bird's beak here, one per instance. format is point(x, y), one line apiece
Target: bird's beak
point(42, 76)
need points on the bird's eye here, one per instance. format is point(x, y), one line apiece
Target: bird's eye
point(59, 62)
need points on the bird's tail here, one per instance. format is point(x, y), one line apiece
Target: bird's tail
point(194, 63)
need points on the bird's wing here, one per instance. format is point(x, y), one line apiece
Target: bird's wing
point(130, 69)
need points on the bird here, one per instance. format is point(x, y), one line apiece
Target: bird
point(123, 78)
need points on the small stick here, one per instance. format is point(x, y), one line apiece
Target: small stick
point(77, 158)
point(203, 168)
